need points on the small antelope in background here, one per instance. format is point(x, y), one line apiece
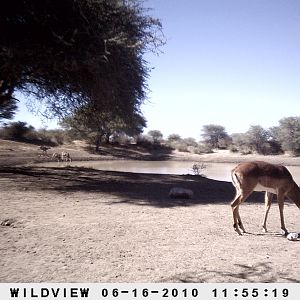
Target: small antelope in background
point(56, 156)
point(44, 150)
point(65, 156)
point(261, 176)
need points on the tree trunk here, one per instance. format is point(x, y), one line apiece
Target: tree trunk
point(97, 142)
point(107, 135)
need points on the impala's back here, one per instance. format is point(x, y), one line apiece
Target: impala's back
point(262, 176)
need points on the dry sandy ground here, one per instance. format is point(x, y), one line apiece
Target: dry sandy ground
point(82, 225)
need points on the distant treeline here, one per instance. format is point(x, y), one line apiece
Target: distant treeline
point(275, 140)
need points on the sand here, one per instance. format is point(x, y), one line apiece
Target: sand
point(83, 225)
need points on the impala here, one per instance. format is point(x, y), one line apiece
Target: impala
point(261, 176)
point(56, 156)
point(65, 156)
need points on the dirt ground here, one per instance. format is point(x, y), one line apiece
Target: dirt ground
point(83, 225)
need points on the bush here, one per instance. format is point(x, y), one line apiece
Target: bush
point(144, 141)
point(198, 169)
point(173, 138)
point(287, 134)
point(21, 131)
point(17, 131)
point(122, 139)
point(181, 146)
point(156, 136)
point(202, 149)
point(215, 136)
point(233, 148)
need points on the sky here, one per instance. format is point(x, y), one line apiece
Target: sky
point(234, 63)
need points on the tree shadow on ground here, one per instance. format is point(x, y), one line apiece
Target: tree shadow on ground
point(260, 272)
point(130, 188)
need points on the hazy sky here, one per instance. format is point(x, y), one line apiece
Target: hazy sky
point(234, 63)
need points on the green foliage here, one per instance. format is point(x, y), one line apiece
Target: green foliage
point(184, 145)
point(122, 139)
point(156, 136)
point(189, 144)
point(180, 146)
point(288, 134)
point(52, 137)
point(175, 142)
point(215, 136)
point(67, 54)
point(202, 149)
point(16, 131)
point(145, 141)
point(173, 138)
point(98, 127)
point(256, 139)
point(240, 143)
point(21, 131)
point(8, 106)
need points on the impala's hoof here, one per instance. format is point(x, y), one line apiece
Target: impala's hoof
point(238, 232)
point(236, 229)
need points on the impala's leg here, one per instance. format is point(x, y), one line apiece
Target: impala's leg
point(280, 199)
point(240, 221)
point(268, 202)
point(235, 206)
point(237, 222)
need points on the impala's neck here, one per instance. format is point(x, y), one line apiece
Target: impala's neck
point(294, 195)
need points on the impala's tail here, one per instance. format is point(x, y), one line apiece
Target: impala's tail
point(237, 184)
point(235, 179)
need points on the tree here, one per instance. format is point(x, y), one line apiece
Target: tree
point(7, 107)
point(98, 127)
point(67, 54)
point(288, 134)
point(240, 143)
point(215, 136)
point(190, 142)
point(16, 130)
point(257, 139)
point(174, 137)
point(156, 136)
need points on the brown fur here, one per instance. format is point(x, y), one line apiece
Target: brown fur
point(246, 176)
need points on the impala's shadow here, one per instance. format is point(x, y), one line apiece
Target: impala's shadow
point(265, 233)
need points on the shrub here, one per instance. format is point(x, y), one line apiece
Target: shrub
point(202, 149)
point(198, 169)
point(287, 134)
point(16, 131)
point(181, 146)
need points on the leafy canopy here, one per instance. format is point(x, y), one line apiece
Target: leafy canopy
point(72, 53)
point(214, 135)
